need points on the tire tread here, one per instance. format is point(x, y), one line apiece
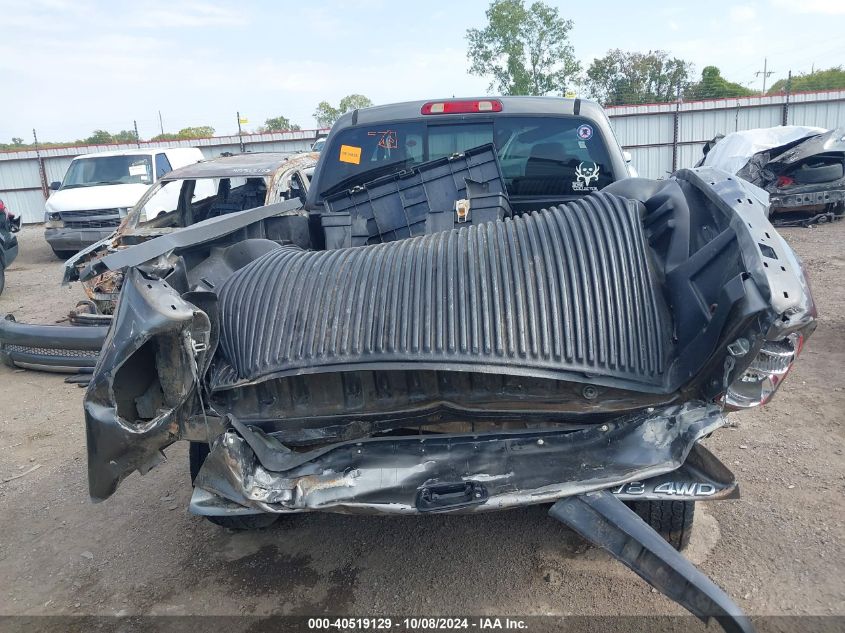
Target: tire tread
point(671, 519)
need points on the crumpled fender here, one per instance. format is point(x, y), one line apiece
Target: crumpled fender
point(154, 353)
point(388, 474)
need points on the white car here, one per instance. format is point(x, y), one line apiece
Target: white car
point(99, 189)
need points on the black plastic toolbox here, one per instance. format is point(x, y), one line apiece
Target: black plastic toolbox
point(481, 206)
point(396, 206)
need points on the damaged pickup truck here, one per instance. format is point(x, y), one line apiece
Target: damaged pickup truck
point(474, 311)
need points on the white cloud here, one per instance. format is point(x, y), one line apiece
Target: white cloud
point(186, 15)
point(742, 13)
point(824, 7)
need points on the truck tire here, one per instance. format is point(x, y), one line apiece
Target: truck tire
point(671, 519)
point(2, 278)
point(197, 452)
point(63, 255)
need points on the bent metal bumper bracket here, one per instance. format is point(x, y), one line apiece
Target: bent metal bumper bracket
point(606, 521)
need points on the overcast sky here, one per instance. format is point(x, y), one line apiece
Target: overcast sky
point(70, 66)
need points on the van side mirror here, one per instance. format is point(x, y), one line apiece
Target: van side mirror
point(627, 156)
point(54, 186)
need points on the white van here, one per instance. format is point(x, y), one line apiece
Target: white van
point(99, 189)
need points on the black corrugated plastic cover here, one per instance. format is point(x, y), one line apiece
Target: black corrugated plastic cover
point(561, 293)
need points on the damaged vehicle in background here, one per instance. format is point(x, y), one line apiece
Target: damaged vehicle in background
point(182, 197)
point(479, 311)
point(9, 225)
point(99, 189)
point(801, 168)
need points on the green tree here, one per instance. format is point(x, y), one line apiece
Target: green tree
point(17, 140)
point(125, 136)
point(354, 102)
point(525, 50)
point(629, 77)
point(714, 86)
point(326, 114)
point(99, 137)
point(830, 79)
point(279, 124)
point(202, 131)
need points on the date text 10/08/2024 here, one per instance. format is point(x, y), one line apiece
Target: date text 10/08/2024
point(420, 623)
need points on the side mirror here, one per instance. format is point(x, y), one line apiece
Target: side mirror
point(627, 156)
point(54, 186)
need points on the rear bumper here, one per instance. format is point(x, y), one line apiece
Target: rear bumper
point(71, 239)
point(248, 472)
point(54, 348)
point(794, 201)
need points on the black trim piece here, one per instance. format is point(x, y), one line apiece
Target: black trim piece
point(190, 236)
point(607, 522)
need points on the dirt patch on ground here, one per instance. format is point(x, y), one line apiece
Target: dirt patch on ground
point(780, 549)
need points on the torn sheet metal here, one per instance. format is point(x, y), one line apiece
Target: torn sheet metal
point(500, 470)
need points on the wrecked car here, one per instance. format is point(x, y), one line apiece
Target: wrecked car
point(475, 310)
point(801, 168)
point(182, 197)
point(9, 225)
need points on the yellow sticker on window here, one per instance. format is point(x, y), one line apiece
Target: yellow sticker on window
point(350, 154)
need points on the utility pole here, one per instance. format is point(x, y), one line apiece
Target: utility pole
point(765, 72)
point(240, 133)
point(160, 123)
point(137, 137)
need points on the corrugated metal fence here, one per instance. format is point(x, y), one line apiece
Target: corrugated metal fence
point(663, 137)
point(25, 176)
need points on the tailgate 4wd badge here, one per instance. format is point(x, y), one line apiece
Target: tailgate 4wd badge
point(666, 488)
point(585, 173)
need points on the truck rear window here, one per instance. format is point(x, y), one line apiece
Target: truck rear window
point(540, 156)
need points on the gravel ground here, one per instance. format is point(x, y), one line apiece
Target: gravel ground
point(779, 550)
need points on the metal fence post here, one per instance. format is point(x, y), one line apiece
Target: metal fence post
point(785, 118)
point(676, 124)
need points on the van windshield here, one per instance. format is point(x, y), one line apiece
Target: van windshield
point(109, 170)
point(539, 156)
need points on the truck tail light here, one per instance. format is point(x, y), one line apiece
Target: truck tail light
point(767, 371)
point(461, 107)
